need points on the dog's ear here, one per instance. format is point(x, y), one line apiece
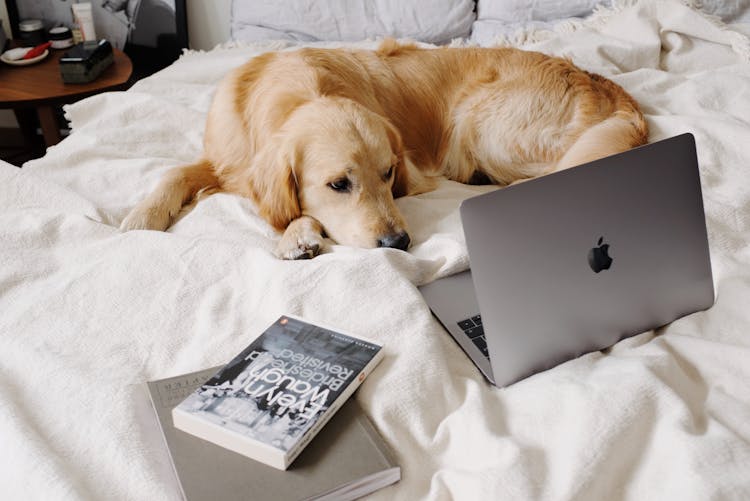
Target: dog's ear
point(400, 186)
point(274, 184)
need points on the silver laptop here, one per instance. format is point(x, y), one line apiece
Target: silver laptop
point(575, 261)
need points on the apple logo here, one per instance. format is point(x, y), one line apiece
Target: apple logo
point(599, 257)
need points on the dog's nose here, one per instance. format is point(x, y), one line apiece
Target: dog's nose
point(399, 240)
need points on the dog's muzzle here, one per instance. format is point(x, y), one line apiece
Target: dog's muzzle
point(399, 240)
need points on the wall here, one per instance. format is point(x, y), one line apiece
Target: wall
point(208, 22)
point(4, 17)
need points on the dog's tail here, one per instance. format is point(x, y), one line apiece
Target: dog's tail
point(624, 129)
point(177, 188)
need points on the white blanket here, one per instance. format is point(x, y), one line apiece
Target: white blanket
point(89, 313)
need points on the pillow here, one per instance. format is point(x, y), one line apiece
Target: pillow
point(518, 11)
point(498, 20)
point(437, 21)
point(504, 19)
point(730, 11)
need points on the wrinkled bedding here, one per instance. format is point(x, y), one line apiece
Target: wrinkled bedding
point(89, 313)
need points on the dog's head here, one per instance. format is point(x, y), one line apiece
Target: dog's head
point(340, 163)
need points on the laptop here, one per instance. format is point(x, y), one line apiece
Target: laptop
point(577, 260)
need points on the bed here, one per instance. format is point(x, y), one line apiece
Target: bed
point(90, 313)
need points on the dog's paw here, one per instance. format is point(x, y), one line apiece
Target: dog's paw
point(301, 240)
point(303, 248)
point(146, 218)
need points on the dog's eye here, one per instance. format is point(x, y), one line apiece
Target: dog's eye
point(341, 185)
point(389, 173)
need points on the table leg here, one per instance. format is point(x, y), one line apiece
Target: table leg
point(50, 128)
point(27, 119)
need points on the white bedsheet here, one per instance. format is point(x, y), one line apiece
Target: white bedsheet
point(88, 313)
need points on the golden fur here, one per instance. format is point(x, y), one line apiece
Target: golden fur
point(324, 139)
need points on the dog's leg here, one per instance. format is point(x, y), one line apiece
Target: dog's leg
point(624, 129)
point(302, 239)
point(179, 186)
point(616, 134)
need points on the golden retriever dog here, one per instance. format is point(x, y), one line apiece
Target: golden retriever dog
point(323, 140)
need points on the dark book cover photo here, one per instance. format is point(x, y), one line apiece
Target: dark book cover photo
point(280, 385)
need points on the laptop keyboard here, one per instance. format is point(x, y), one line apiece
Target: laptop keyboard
point(473, 328)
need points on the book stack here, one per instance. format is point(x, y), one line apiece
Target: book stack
point(236, 432)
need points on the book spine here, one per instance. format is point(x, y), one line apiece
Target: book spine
point(302, 443)
point(151, 388)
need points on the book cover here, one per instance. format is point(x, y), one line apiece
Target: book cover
point(272, 398)
point(347, 460)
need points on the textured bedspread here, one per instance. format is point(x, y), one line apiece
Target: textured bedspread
point(88, 313)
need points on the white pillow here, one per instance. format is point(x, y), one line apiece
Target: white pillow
point(731, 11)
point(518, 11)
point(435, 21)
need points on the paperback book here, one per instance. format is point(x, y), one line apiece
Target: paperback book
point(347, 460)
point(274, 397)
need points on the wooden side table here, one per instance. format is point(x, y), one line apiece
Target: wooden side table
point(40, 86)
